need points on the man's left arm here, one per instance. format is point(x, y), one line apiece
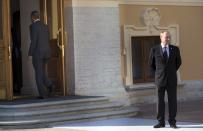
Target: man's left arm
point(178, 59)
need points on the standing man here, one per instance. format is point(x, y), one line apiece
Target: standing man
point(40, 52)
point(165, 60)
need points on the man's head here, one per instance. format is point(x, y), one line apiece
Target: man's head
point(165, 37)
point(34, 15)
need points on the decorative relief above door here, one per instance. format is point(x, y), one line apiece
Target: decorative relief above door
point(151, 17)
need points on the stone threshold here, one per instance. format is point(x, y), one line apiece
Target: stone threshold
point(146, 86)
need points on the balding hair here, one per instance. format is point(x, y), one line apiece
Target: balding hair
point(164, 32)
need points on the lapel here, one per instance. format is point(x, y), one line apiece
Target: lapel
point(161, 52)
point(171, 51)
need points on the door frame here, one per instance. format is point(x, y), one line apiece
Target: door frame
point(7, 48)
point(6, 21)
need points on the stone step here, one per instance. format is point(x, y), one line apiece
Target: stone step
point(53, 107)
point(55, 111)
point(88, 107)
point(44, 103)
point(127, 111)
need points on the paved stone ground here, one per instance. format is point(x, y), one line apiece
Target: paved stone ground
point(189, 118)
point(188, 111)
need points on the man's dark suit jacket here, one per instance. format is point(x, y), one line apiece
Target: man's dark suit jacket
point(39, 46)
point(165, 72)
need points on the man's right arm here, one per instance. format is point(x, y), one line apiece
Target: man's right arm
point(152, 60)
point(33, 37)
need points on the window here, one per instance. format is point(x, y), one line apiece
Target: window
point(140, 53)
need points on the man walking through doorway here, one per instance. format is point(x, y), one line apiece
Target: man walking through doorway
point(40, 52)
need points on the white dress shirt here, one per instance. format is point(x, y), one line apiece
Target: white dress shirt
point(167, 49)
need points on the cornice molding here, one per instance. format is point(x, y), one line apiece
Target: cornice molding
point(163, 2)
point(115, 3)
point(95, 3)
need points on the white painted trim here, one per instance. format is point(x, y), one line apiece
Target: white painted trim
point(164, 2)
point(95, 3)
point(115, 3)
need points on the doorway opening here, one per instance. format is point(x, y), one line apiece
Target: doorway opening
point(16, 47)
point(24, 85)
point(140, 53)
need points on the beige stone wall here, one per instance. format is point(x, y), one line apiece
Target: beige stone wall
point(190, 21)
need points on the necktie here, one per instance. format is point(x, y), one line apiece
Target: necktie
point(165, 55)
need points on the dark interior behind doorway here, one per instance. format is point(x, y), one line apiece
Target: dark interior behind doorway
point(16, 47)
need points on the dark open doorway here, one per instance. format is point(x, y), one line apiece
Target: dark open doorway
point(24, 84)
point(140, 52)
point(16, 47)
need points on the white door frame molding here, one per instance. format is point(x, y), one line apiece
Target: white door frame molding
point(134, 31)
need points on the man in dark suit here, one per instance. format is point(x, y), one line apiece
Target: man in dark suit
point(40, 52)
point(165, 60)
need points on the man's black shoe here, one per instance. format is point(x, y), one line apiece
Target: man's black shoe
point(159, 125)
point(173, 126)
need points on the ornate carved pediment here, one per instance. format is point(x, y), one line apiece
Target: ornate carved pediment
point(151, 17)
